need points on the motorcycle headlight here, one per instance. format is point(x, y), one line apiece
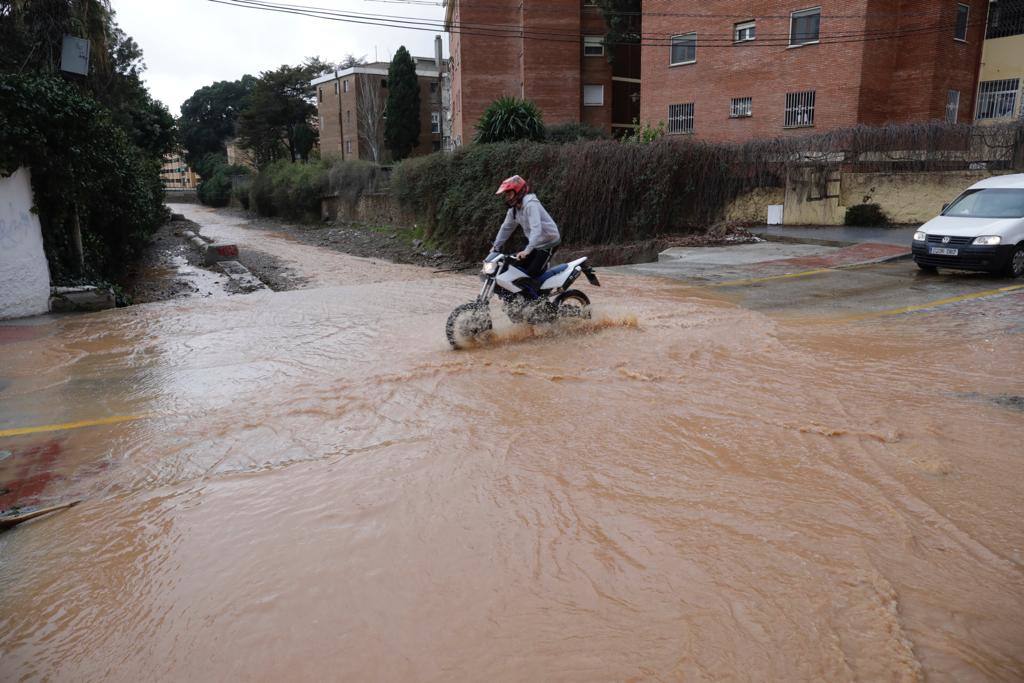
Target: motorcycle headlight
point(490, 268)
point(988, 240)
point(920, 236)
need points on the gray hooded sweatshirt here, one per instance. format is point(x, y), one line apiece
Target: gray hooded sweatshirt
point(541, 231)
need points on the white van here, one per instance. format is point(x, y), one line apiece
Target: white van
point(982, 229)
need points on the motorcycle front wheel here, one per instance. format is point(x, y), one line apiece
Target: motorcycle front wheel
point(466, 323)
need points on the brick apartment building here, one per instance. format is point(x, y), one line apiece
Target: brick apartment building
point(551, 52)
point(1001, 80)
point(762, 68)
point(351, 104)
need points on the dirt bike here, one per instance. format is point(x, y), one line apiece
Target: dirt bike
point(524, 299)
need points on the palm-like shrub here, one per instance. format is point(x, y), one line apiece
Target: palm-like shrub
point(509, 119)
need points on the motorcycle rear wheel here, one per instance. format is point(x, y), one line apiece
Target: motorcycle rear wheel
point(574, 305)
point(466, 323)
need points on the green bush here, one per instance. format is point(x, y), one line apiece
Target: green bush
point(866, 215)
point(564, 133)
point(82, 164)
point(508, 119)
point(291, 191)
point(217, 186)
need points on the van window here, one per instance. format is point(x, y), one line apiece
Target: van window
point(988, 203)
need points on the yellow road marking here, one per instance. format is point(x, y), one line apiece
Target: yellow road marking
point(71, 425)
point(934, 304)
point(803, 273)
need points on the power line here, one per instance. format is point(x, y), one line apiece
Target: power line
point(516, 30)
point(565, 36)
point(696, 15)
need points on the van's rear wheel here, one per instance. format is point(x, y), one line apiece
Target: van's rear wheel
point(574, 305)
point(466, 323)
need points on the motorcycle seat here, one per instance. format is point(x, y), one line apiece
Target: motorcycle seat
point(554, 271)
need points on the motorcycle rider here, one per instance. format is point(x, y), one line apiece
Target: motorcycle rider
point(526, 211)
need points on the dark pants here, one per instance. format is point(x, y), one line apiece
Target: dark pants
point(536, 263)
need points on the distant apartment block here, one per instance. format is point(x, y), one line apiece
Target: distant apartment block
point(729, 70)
point(176, 174)
point(552, 52)
point(238, 155)
point(351, 110)
point(1001, 79)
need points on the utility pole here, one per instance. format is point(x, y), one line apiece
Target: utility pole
point(439, 58)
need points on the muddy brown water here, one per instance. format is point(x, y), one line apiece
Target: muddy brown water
point(316, 488)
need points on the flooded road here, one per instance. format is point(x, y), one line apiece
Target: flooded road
point(313, 266)
point(309, 485)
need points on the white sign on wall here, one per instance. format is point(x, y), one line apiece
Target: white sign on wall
point(24, 274)
point(74, 56)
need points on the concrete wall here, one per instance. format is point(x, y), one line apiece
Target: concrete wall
point(752, 207)
point(24, 273)
point(907, 197)
point(371, 208)
point(904, 197)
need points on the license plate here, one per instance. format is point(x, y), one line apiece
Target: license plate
point(943, 251)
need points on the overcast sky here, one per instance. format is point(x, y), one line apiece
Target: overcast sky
point(192, 43)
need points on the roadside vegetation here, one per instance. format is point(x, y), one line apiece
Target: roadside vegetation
point(93, 143)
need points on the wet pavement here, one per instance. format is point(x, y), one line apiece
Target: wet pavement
point(788, 477)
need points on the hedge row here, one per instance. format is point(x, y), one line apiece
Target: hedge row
point(598, 192)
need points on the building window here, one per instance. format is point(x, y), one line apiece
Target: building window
point(680, 118)
point(744, 31)
point(320, 92)
point(800, 109)
point(997, 99)
point(952, 105)
point(1003, 25)
point(963, 13)
point(684, 49)
point(435, 122)
point(344, 85)
point(348, 116)
point(805, 26)
point(335, 87)
point(593, 95)
point(741, 107)
point(593, 46)
point(384, 83)
point(433, 87)
point(348, 147)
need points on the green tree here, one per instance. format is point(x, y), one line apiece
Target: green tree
point(31, 39)
point(85, 170)
point(402, 127)
point(280, 102)
point(210, 116)
point(32, 33)
point(508, 119)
